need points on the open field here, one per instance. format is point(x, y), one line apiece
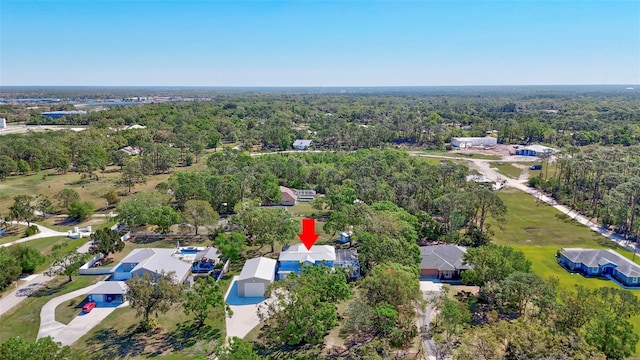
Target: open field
point(508, 169)
point(539, 231)
point(49, 183)
point(69, 309)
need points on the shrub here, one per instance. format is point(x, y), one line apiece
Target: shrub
point(31, 230)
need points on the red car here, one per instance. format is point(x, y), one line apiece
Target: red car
point(88, 306)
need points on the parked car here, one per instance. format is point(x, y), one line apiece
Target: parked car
point(88, 306)
point(535, 167)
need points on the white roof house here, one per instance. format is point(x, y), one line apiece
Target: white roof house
point(156, 261)
point(465, 142)
point(300, 253)
point(535, 150)
point(255, 276)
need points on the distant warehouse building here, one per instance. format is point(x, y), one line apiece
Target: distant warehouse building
point(465, 142)
point(59, 114)
point(535, 150)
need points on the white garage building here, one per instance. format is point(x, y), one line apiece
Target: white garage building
point(256, 275)
point(466, 142)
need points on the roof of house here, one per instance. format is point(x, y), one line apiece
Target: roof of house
point(300, 253)
point(463, 139)
point(209, 253)
point(300, 142)
point(285, 191)
point(135, 126)
point(70, 112)
point(109, 287)
point(539, 148)
point(157, 261)
point(131, 150)
point(596, 258)
point(443, 257)
point(260, 267)
point(305, 192)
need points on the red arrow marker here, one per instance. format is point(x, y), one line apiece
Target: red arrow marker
point(308, 236)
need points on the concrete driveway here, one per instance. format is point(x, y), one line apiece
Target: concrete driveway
point(430, 290)
point(80, 325)
point(244, 318)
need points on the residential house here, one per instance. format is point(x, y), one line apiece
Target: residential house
point(131, 150)
point(302, 144)
point(256, 275)
point(205, 260)
point(154, 261)
point(288, 196)
point(535, 150)
point(292, 258)
point(444, 262)
point(607, 263)
point(108, 293)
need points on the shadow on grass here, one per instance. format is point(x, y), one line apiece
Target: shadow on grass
point(269, 347)
point(187, 335)
point(109, 343)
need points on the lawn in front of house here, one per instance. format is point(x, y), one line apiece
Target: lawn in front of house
point(539, 231)
point(69, 309)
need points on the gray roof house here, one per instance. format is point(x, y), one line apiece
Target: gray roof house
point(256, 275)
point(153, 261)
point(606, 263)
point(444, 262)
point(108, 293)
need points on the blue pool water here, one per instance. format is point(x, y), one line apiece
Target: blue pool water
point(189, 251)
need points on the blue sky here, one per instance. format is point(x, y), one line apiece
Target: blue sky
point(319, 43)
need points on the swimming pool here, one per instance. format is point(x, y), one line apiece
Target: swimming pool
point(188, 251)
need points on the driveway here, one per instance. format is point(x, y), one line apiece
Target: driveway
point(430, 290)
point(244, 318)
point(80, 325)
point(44, 232)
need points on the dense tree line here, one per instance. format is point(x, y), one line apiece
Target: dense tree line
point(601, 183)
point(178, 133)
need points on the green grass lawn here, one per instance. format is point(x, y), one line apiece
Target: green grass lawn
point(508, 169)
point(12, 233)
point(539, 231)
point(24, 319)
point(69, 309)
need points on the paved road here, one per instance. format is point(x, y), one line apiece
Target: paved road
point(44, 232)
point(80, 325)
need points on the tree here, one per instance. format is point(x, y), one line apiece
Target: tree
point(7, 166)
point(493, 263)
point(148, 293)
point(43, 205)
point(16, 348)
point(199, 213)
point(80, 211)
point(163, 217)
point(66, 197)
point(23, 167)
point(27, 257)
point(131, 175)
point(527, 293)
point(374, 250)
point(105, 241)
point(111, 197)
point(204, 297)
point(67, 264)
point(304, 307)
point(236, 349)
point(22, 208)
point(231, 245)
point(339, 196)
point(9, 267)
point(267, 225)
point(487, 203)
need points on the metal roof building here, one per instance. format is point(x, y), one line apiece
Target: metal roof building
point(256, 275)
